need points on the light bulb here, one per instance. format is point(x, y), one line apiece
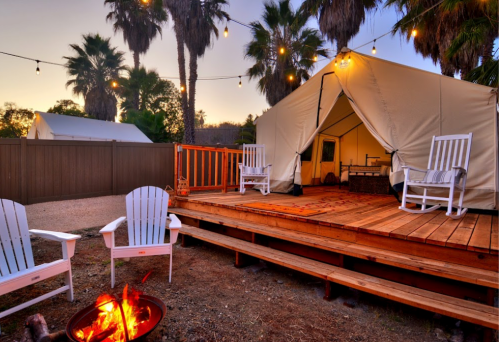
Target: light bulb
point(315, 58)
point(226, 31)
point(182, 88)
point(374, 47)
point(414, 32)
point(335, 62)
point(291, 77)
point(114, 84)
point(37, 67)
point(349, 59)
point(240, 83)
point(281, 51)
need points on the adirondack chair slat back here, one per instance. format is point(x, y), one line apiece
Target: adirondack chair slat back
point(450, 150)
point(146, 210)
point(16, 254)
point(254, 156)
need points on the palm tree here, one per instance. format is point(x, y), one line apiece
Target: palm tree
point(455, 33)
point(94, 68)
point(195, 28)
point(284, 50)
point(140, 22)
point(339, 20)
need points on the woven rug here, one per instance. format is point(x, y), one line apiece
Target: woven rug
point(282, 209)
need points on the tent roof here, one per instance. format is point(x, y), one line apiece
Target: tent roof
point(71, 126)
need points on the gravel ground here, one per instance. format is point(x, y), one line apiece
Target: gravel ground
point(67, 216)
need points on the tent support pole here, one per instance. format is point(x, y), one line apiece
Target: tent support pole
point(320, 96)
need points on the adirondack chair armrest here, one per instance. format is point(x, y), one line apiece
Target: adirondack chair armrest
point(174, 227)
point(108, 231)
point(68, 241)
point(458, 168)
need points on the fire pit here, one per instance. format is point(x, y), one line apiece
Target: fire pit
point(131, 317)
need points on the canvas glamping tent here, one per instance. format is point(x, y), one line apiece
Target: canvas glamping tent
point(401, 107)
point(63, 127)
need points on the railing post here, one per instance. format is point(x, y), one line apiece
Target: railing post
point(225, 169)
point(175, 167)
point(24, 174)
point(115, 190)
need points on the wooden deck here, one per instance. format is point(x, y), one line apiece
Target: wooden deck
point(370, 214)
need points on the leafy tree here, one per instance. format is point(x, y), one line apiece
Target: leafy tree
point(94, 68)
point(283, 49)
point(140, 22)
point(199, 119)
point(68, 107)
point(339, 20)
point(248, 131)
point(194, 27)
point(159, 114)
point(15, 122)
point(485, 74)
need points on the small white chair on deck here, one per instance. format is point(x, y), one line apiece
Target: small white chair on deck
point(146, 215)
point(253, 169)
point(17, 266)
point(447, 170)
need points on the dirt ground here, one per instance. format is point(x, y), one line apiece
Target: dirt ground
point(211, 300)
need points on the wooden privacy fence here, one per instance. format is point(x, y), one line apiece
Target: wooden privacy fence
point(33, 171)
point(208, 168)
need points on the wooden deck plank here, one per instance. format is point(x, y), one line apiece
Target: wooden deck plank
point(458, 308)
point(494, 236)
point(374, 218)
point(462, 234)
point(440, 236)
point(480, 239)
point(410, 262)
point(408, 228)
point(427, 229)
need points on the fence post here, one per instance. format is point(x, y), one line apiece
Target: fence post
point(24, 167)
point(225, 169)
point(175, 165)
point(114, 167)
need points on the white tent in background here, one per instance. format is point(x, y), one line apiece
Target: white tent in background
point(63, 127)
point(401, 107)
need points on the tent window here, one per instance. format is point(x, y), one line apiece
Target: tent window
point(328, 148)
point(307, 155)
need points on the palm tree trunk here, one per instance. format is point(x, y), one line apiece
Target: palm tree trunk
point(179, 35)
point(193, 76)
point(136, 63)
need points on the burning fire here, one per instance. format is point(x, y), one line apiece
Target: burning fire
point(110, 323)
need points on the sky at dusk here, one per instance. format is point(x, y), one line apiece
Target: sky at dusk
point(44, 29)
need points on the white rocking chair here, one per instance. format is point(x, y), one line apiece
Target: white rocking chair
point(447, 170)
point(146, 215)
point(17, 267)
point(253, 169)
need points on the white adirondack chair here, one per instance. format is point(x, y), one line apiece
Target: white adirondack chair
point(253, 169)
point(447, 170)
point(146, 215)
point(17, 266)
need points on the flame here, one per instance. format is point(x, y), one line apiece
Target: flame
point(109, 326)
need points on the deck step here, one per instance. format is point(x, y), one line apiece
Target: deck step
point(419, 264)
point(458, 308)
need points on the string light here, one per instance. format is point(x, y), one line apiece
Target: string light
point(335, 62)
point(226, 31)
point(374, 47)
point(114, 84)
point(315, 58)
point(182, 88)
point(282, 50)
point(349, 59)
point(414, 32)
point(240, 83)
point(291, 77)
point(37, 67)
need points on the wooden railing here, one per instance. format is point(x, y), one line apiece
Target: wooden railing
point(208, 168)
